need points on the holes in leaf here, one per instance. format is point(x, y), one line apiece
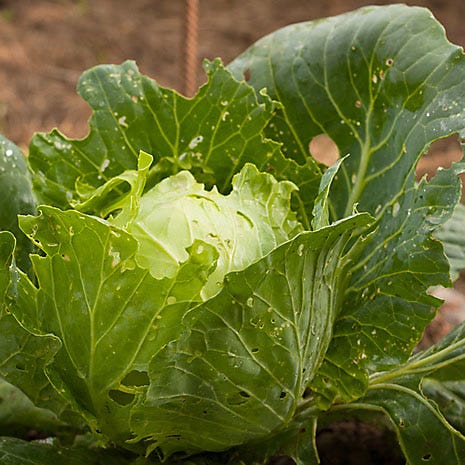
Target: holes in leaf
point(21, 367)
point(441, 153)
point(255, 350)
point(282, 395)
point(238, 398)
point(136, 378)
point(324, 150)
point(427, 457)
point(120, 397)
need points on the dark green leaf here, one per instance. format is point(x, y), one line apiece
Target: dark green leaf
point(383, 83)
point(451, 234)
point(424, 434)
point(17, 452)
point(17, 197)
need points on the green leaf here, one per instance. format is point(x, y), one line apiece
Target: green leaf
point(17, 197)
point(22, 355)
point(297, 442)
point(242, 360)
point(450, 399)
point(17, 452)
point(383, 83)
point(116, 365)
point(424, 434)
point(213, 135)
point(109, 322)
point(7, 245)
point(440, 369)
point(451, 234)
point(18, 415)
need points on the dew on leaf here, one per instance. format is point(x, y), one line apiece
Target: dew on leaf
point(9, 152)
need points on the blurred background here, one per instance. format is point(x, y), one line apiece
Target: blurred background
point(46, 44)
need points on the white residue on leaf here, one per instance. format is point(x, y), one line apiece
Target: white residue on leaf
point(122, 122)
point(300, 250)
point(224, 103)
point(250, 302)
point(104, 165)
point(195, 141)
point(224, 115)
point(116, 257)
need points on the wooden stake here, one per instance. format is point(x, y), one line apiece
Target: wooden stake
point(191, 27)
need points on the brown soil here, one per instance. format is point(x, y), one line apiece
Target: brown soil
point(46, 44)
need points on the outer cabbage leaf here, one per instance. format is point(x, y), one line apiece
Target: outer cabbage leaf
point(17, 197)
point(18, 415)
point(451, 234)
point(106, 321)
point(135, 349)
point(239, 368)
point(441, 370)
point(212, 135)
point(383, 83)
point(423, 398)
point(424, 434)
point(17, 452)
point(23, 356)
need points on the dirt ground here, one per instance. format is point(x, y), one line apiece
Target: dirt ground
point(46, 44)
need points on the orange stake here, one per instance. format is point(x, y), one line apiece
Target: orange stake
point(191, 27)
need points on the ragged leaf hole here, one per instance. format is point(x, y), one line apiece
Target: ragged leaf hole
point(120, 397)
point(324, 150)
point(136, 378)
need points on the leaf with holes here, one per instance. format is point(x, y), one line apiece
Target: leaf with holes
point(206, 292)
point(383, 83)
point(213, 135)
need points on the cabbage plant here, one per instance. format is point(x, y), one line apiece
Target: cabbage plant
point(187, 284)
